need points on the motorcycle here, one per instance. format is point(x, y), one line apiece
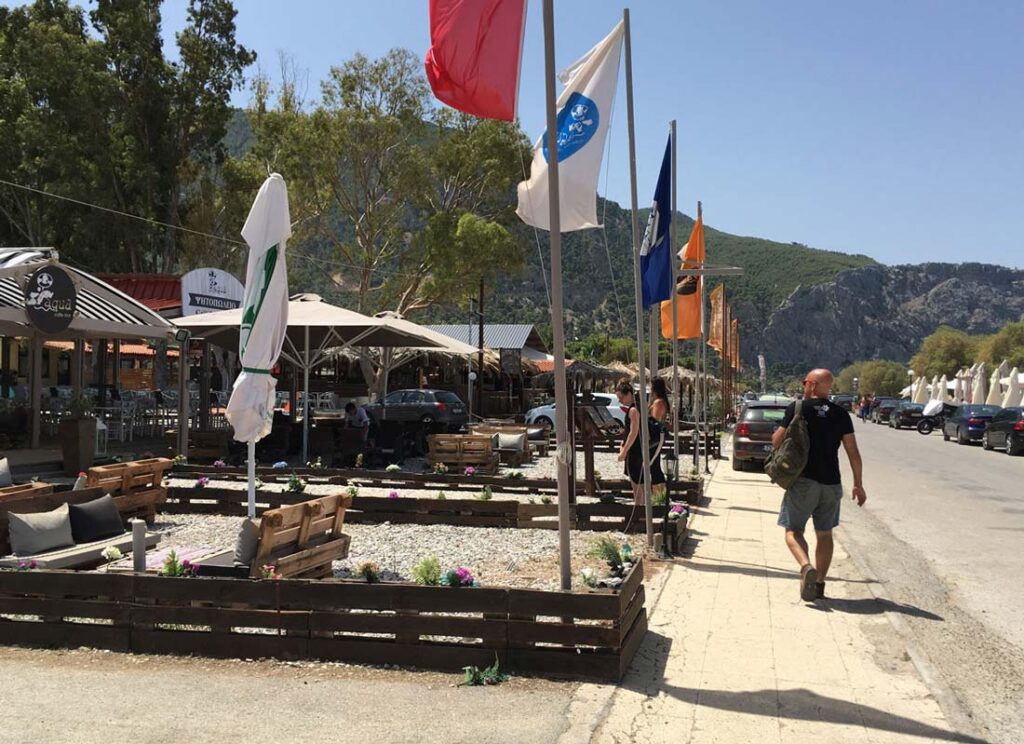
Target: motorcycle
point(934, 416)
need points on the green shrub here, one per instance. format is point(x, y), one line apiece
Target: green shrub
point(427, 571)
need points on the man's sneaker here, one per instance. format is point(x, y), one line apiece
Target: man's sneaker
point(820, 586)
point(808, 583)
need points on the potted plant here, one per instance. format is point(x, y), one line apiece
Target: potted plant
point(78, 436)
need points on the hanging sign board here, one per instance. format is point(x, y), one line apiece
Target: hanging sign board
point(511, 361)
point(50, 299)
point(209, 290)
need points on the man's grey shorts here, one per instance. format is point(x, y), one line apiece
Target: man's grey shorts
point(808, 498)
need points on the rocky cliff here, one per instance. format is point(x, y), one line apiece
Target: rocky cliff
point(884, 312)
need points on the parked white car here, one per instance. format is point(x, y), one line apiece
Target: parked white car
point(545, 415)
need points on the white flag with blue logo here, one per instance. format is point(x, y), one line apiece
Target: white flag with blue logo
point(584, 109)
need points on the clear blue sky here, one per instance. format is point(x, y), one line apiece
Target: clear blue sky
point(894, 129)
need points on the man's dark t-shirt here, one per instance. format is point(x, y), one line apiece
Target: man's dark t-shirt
point(827, 424)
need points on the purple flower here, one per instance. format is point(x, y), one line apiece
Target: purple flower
point(677, 508)
point(32, 564)
point(470, 470)
point(393, 495)
point(186, 564)
point(464, 576)
point(219, 464)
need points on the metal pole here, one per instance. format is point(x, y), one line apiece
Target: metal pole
point(676, 400)
point(252, 479)
point(480, 353)
point(305, 401)
point(36, 388)
point(562, 454)
point(183, 399)
point(644, 436)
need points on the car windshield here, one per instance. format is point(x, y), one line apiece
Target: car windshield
point(764, 414)
point(913, 407)
point(448, 397)
point(983, 410)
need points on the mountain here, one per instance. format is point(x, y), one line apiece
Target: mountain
point(884, 312)
point(599, 298)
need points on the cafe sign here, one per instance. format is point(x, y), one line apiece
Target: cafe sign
point(50, 299)
point(209, 290)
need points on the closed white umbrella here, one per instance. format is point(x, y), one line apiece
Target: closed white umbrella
point(920, 391)
point(995, 393)
point(264, 319)
point(1014, 391)
point(933, 389)
point(979, 389)
point(944, 389)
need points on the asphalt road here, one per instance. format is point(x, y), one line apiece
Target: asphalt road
point(942, 533)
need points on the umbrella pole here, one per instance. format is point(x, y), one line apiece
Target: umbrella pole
point(305, 402)
point(252, 479)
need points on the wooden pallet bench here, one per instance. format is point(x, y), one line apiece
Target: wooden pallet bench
point(137, 486)
point(300, 540)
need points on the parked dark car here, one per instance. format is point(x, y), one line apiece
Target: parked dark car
point(968, 423)
point(752, 437)
point(906, 414)
point(881, 408)
point(846, 401)
point(1006, 429)
point(441, 409)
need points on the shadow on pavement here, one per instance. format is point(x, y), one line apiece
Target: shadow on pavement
point(757, 569)
point(752, 509)
point(647, 671)
point(872, 606)
point(801, 704)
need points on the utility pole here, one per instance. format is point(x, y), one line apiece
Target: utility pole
point(480, 353)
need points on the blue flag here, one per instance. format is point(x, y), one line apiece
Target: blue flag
point(655, 251)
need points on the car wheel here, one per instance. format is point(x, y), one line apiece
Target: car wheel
point(985, 443)
point(1013, 447)
point(737, 464)
point(960, 438)
point(896, 425)
point(945, 434)
point(545, 422)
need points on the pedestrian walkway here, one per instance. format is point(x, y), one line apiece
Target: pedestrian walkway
point(733, 655)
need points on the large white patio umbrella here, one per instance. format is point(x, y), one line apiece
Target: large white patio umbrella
point(315, 327)
point(920, 391)
point(944, 389)
point(979, 388)
point(995, 392)
point(1014, 391)
point(1004, 369)
point(262, 319)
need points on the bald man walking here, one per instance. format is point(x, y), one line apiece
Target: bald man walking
point(818, 492)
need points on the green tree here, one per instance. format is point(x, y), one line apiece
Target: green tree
point(944, 352)
point(879, 377)
point(1006, 344)
point(844, 380)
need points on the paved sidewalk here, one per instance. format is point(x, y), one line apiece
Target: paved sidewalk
point(733, 655)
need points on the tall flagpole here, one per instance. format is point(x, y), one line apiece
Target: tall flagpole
point(675, 294)
point(557, 321)
point(644, 435)
point(704, 346)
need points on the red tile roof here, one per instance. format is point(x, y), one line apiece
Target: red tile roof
point(548, 365)
point(155, 291)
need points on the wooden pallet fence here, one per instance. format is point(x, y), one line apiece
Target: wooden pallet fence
point(613, 517)
point(586, 635)
point(448, 482)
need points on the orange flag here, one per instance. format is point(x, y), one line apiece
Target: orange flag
point(734, 344)
point(715, 326)
point(688, 306)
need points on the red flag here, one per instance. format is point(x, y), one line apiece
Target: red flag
point(473, 60)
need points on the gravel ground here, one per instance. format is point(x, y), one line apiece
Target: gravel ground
point(496, 557)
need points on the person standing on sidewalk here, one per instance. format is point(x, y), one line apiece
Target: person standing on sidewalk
point(818, 493)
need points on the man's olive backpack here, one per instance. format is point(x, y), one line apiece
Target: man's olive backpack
point(785, 464)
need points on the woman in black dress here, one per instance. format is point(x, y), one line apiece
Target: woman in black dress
point(659, 410)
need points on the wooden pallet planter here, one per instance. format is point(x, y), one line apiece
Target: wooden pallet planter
point(585, 635)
